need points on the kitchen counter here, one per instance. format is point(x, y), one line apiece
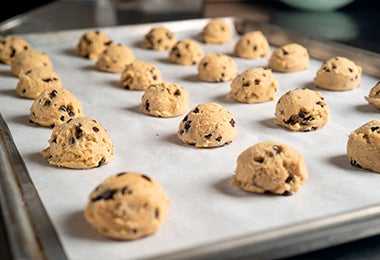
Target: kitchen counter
point(355, 25)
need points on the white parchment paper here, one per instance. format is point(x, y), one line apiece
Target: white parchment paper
point(205, 207)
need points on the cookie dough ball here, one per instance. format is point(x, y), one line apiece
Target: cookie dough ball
point(55, 106)
point(80, 143)
point(363, 146)
point(11, 45)
point(270, 167)
point(138, 75)
point(289, 58)
point(254, 85)
point(127, 206)
point(374, 96)
point(165, 99)
point(92, 43)
point(159, 39)
point(302, 110)
point(215, 67)
point(338, 74)
point(114, 58)
point(208, 125)
point(216, 31)
point(186, 52)
point(252, 45)
point(33, 82)
point(29, 59)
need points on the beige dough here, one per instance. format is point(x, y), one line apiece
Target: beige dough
point(165, 99)
point(114, 58)
point(215, 67)
point(29, 59)
point(208, 125)
point(127, 206)
point(80, 143)
point(33, 82)
point(92, 43)
point(54, 107)
point(159, 39)
point(254, 85)
point(363, 146)
point(270, 167)
point(289, 58)
point(252, 45)
point(338, 74)
point(186, 52)
point(216, 31)
point(138, 75)
point(302, 110)
point(374, 96)
point(10, 45)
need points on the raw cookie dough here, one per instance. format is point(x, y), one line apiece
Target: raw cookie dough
point(302, 110)
point(80, 143)
point(270, 167)
point(374, 96)
point(165, 99)
point(127, 206)
point(254, 85)
point(215, 67)
point(10, 45)
point(138, 75)
point(114, 58)
point(208, 125)
point(92, 43)
point(159, 39)
point(216, 31)
point(186, 52)
point(363, 146)
point(338, 74)
point(55, 106)
point(289, 58)
point(252, 45)
point(33, 82)
point(29, 59)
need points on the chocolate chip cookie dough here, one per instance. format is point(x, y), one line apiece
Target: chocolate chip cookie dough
point(92, 43)
point(216, 67)
point(80, 143)
point(159, 39)
point(252, 45)
point(54, 107)
point(208, 125)
point(127, 206)
point(216, 31)
point(289, 58)
point(33, 82)
point(270, 167)
point(138, 75)
point(338, 74)
point(186, 52)
point(29, 59)
point(374, 96)
point(114, 58)
point(302, 110)
point(363, 146)
point(165, 99)
point(10, 45)
point(254, 85)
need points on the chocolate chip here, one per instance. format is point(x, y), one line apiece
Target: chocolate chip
point(255, 48)
point(178, 55)
point(53, 94)
point(13, 52)
point(54, 141)
point(146, 177)
point(184, 119)
point(126, 191)
point(355, 163)
point(351, 70)
point(95, 129)
point(155, 77)
point(147, 105)
point(156, 212)
point(48, 80)
point(47, 103)
point(121, 174)
point(289, 179)
point(259, 159)
point(101, 162)
point(326, 69)
point(105, 195)
point(278, 149)
point(208, 136)
point(285, 52)
point(63, 108)
point(319, 103)
point(52, 125)
point(222, 28)
point(177, 92)
point(246, 84)
point(62, 118)
point(134, 231)
point(72, 141)
point(286, 193)
point(78, 131)
point(205, 64)
point(333, 66)
point(218, 139)
point(232, 122)
point(374, 128)
point(257, 81)
point(187, 126)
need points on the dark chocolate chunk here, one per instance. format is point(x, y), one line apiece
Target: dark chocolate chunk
point(78, 131)
point(218, 139)
point(208, 136)
point(53, 94)
point(374, 128)
point(289, 179)
point(62, 118)
point(259, 159)
point(105, 195)
point(95, 129)
point(196, 110)
point(187, 126)
point(47, 103)
point(177, 92)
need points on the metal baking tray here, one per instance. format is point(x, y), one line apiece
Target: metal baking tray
point(30, 226)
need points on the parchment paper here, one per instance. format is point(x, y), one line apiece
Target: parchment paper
point(205, 207)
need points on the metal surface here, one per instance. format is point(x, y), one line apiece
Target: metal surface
point(32, 235)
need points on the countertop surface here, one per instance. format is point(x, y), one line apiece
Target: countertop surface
point(356, 25)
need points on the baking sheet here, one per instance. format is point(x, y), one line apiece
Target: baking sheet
point(205, 207)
